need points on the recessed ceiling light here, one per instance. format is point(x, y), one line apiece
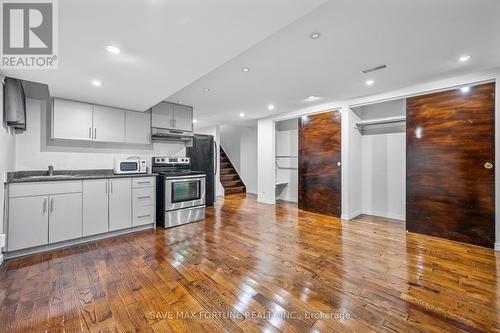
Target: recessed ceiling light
point(465, 89)
point(206, 89)
point(242, 115)
point(96, 83)
point(195, 121)
point(270, 107)
point(245, 69)
point(112, 49)
point(464, 58)
point(369, 82)
point(312, 98)
point(315, 35)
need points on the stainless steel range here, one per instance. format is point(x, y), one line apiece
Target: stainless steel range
point(180, 191)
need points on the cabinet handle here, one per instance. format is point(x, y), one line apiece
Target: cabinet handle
point(175, 123)
point(145, 197)
point(143, 182)
point(51, 205)
point(95, 133)
point(143, 216)
point(44, 206)
point(90, 132)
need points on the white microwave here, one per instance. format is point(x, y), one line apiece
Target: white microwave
point(130, 166)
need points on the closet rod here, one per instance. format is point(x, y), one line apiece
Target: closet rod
point(388, 120)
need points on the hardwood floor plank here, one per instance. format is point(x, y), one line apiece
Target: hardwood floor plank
point(252, 267)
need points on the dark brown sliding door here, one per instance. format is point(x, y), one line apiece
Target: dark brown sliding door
point(319, 156)
point(450, 188)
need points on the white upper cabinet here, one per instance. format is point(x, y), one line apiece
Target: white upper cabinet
point(71, 120)
point(183, 117)
point(173, 116)
point(109, 124)
point(163, 115)
point(138, 127)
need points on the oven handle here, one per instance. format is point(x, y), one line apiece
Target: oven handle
point(187, 179)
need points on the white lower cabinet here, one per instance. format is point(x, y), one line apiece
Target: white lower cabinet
point(28, 222)
point(95, 207)
point(65, 217)
point(43, 213)
point(143, 201)
point(120, 203)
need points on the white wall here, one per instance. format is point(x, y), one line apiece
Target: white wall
point(33, 153)
point(287, 152)
point(248, 158)
point(240, 145)
point(266, 179)
point(384, 175)
point(7, 156)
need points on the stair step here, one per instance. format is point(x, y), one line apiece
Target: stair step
point(227, 171)
point(234, 190)
point(231, 183)
point(229, 176)
point(224, 165)
point(224, 160)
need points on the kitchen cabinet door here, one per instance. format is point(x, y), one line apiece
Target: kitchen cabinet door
point(28, 222)
point(65, 217)
point(138, 127)
point(183, 117)
point(109, 124)
point(163, 115)
point(95, 207)
point(71, 120)
point(120, 203)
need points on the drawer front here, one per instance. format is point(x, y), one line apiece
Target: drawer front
point(143, 215)
point(143, 182)
point(143, 196)
point(44, 188)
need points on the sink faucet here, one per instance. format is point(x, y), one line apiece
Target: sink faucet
point(51, 170)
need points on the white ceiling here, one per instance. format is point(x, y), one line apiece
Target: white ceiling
point(418, 40)
point(166, 44)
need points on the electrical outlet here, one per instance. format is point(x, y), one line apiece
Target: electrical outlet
point(2, 240)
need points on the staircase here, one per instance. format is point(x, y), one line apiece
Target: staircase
point(229, 177)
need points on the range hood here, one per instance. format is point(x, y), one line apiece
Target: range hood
point(171, 122)
point(164, 134)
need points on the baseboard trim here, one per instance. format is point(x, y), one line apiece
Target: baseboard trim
point(497, 247)
point(266, 201)
point(350, 216)
point(385, 215)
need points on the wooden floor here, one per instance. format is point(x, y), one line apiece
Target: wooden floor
point(253, 267)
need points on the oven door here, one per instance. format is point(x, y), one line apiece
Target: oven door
point(184, 192)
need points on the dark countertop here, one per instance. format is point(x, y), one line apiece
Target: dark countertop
point(68, 175)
